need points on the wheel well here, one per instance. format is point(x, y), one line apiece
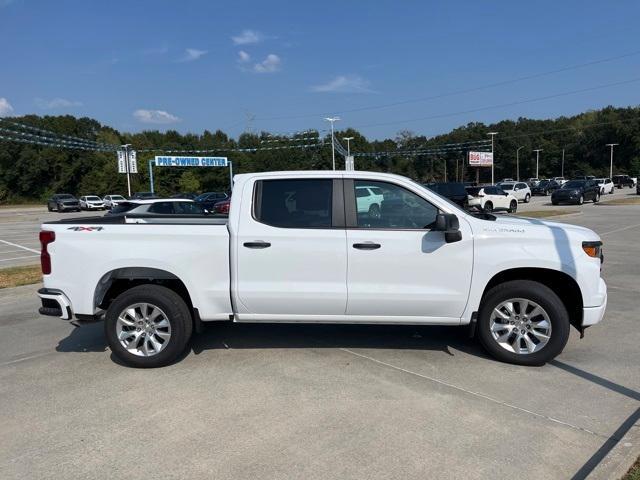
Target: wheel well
point(117, 281)
point(562, 284)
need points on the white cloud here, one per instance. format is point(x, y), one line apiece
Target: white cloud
point(158, 117)
point(248, 37)
point(344, 84)
point(5, 107)
point(269, 65)
point(56, 103)
point(243, 57)
point(191, 54)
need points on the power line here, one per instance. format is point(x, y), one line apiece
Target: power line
point(53, 140)
point(460, 92)
point(53, 144)
point(50, 133)
point(218, 150)
point(502, 105)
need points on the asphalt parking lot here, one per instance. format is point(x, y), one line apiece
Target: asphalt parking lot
point(314, 401)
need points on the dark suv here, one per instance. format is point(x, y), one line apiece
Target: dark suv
point(577, 191)
point(454, 191)
point(61, 202)
point(622, 181)
point(208, 199)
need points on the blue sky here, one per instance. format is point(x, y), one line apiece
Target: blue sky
point(195, 65)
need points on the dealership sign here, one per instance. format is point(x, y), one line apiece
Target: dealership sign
point(480, 159)
point(163, 161)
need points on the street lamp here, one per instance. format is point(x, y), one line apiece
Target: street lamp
point(348, 139)
point(493, 160)
point(333, 147)
point(611, 145)
point(537, 160)
point(518, 163)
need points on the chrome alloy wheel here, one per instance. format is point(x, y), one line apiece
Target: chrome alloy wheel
point(520, 326)
point(143, 329)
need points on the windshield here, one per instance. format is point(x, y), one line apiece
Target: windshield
point(65, 196)
point(506, 186)
point(544, 183)
point(117, 197)
point(93, 198)
point(574, 184)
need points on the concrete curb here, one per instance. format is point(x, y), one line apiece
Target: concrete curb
point(621, 457)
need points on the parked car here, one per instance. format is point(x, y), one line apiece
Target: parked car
point(62, 202)
point(606, 185)
point(368, 200)
point(545, 187)
point(209, 199)
point(532, 182)
point(623, 181)
point(222, 208)
point(577, 191)
point(143, 196)
point(518, 283)
point(155, 207)
point(187, 195)
point(504, 180)
point(111, 201)
point(520, 190)
point(91, 202)
point(491, 198)
point(559, 180)
point(637, 188)
point(454, 191)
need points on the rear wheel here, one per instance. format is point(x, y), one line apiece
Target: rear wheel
point(374, 211)
point(513, 207)
point(554, 202)
point(488, 207)
point(527, 197)
point(596, 199)
point(523, 322)
point(580, 199)
point(148, 326)
point(49, 207)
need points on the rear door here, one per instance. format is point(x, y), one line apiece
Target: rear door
point(291, 250)
point(398, 266)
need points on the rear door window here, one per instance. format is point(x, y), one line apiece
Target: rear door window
point(295, 203)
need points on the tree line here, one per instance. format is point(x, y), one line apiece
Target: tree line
point(33, 172)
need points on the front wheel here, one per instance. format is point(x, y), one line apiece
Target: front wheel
point(488, 207)
point(148, 326)
point(596, 199)
point(523, 322)
point(527, 197)
point(581, 200)
point(513, 207)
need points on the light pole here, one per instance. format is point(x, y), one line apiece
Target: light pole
point(611, 145)
point(126, 161)
point(518, 163)
point(493, 160)
point(333, 146)
point(348, 139)
point(537, 160)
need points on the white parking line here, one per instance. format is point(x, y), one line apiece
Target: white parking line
point(17, 258)
point(621, 229)
point(20, 246)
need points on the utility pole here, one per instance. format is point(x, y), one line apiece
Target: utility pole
point(348, 139)
point(126, 161)
point(611, 145)
point(518, 163)
point(457, 177)
point(537, 160)
point(333, 146)
point(562, 168)
point(493, 160)
point(445, 169)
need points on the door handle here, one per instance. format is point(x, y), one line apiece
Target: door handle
point(257, 244)
point(367, 246)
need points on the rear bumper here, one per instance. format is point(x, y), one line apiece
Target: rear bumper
point(55, 304)
point(593, 315)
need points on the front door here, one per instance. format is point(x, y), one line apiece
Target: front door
point(291, 252)
point(398, 266)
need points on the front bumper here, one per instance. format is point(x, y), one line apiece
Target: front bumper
point(593, 315)
point(94, 206)
point(55, 303)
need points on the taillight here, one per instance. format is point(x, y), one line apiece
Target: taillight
point(46, 237)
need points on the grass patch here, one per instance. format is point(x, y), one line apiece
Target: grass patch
point(634, 473)
point(16, 276)
point(546, 213)
point(623, 201)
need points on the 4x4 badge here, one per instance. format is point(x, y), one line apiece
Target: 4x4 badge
point(86, 229)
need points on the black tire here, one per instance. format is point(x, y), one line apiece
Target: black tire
point(538, 293)
point(49, 207)
point(580, 199)
point(596, 199)
point(488, 207)
point(527, 198)
point(554, 202)
point(177, 314)
point(374, 211)
point(513, 207)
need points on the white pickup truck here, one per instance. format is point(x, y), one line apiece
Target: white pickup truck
point(297, 247)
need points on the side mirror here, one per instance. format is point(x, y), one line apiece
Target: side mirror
point(450, 225)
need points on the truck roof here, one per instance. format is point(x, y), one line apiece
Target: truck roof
point(319, 173)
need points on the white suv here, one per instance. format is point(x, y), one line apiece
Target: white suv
point(111, 201)
point(369, 200)
point(91, 202)
point(605, 184)
point(520, 190)
point(491, 198)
